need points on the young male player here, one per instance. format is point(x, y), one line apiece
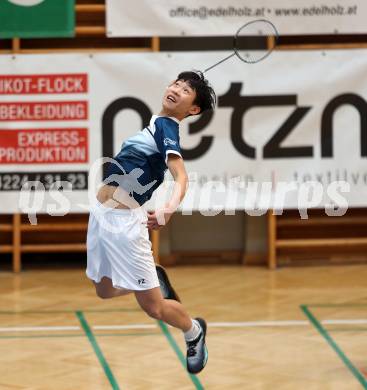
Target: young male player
point(120, 259)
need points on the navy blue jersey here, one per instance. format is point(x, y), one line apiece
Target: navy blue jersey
point(140, 165)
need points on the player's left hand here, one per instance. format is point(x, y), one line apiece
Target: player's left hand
point(156, 220)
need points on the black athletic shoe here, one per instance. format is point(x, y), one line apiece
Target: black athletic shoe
point(197, 352)
point(167, 290)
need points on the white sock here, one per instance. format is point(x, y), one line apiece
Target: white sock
point(194, 332)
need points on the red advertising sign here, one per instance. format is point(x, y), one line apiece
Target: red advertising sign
point(43, 84)
point(44, 146)
point(44, 111)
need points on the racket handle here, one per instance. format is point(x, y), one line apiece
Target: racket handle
point(219, 62)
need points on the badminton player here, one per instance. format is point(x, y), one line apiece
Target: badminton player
point(119, 255)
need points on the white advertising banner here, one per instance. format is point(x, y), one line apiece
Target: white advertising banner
point(223, 17)
point(289, 132)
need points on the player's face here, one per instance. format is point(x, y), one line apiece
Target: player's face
point(178, 100)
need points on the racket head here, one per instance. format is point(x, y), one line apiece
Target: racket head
point(255, 40)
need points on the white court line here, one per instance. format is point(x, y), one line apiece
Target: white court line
point(117, 327)
point(253, 324)
point(37, 328)
point(345, 322)
point(246, 324)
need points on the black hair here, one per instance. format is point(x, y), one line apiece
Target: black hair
point(205, 95)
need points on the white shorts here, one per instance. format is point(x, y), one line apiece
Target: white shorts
point(119, 248)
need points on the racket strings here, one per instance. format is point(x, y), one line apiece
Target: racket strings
point(253, 42)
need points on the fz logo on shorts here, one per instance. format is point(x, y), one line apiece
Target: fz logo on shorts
point(142, 281)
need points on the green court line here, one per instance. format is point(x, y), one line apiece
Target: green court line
point(97, 350)
point(324, 333)
point(68, 311)
point(79, 335)
point(179, 354)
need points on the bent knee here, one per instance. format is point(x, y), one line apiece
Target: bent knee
point(103, 294)
point(154, 312)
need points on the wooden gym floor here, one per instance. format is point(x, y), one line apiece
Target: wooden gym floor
point(294, 328)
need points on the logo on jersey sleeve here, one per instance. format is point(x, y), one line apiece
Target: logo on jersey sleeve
point(169, 141)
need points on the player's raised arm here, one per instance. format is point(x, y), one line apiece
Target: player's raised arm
point(176, 166)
